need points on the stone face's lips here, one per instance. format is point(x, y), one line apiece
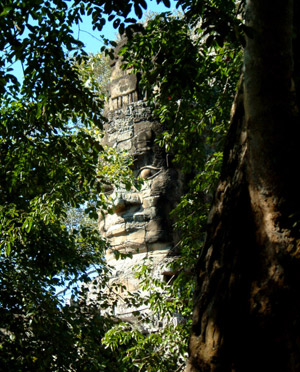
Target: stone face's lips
point(140, 218)
point(116, 230)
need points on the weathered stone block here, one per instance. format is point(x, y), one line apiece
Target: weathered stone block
point(123, 86)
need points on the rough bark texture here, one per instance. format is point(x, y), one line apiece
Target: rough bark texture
point(247, 303)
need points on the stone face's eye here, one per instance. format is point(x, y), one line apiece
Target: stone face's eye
point(146, 173)
point(149, 172)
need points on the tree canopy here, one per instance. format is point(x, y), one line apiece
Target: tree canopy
point(49, 163)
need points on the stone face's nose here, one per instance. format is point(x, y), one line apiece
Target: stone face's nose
point(123, 202)
point(119, 205)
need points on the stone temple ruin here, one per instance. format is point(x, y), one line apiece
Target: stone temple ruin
point(140, 224)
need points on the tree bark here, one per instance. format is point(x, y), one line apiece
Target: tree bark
point(247, 303)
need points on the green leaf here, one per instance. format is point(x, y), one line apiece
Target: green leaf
point(7, 248)
point(138, 11)
point(5, 11)
point(116, 23)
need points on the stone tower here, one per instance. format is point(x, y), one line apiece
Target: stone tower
point(141, 223)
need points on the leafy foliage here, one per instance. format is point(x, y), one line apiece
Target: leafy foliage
point(156, 340)
point(220, 20)
point(191, 82)
point(95, 73)
point(48, 164)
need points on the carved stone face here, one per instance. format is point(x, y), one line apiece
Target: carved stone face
point(141, 222)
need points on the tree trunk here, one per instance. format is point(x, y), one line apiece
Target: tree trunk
point(247, 301)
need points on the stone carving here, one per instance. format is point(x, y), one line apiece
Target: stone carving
point(123, 87)
point(141, 223)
